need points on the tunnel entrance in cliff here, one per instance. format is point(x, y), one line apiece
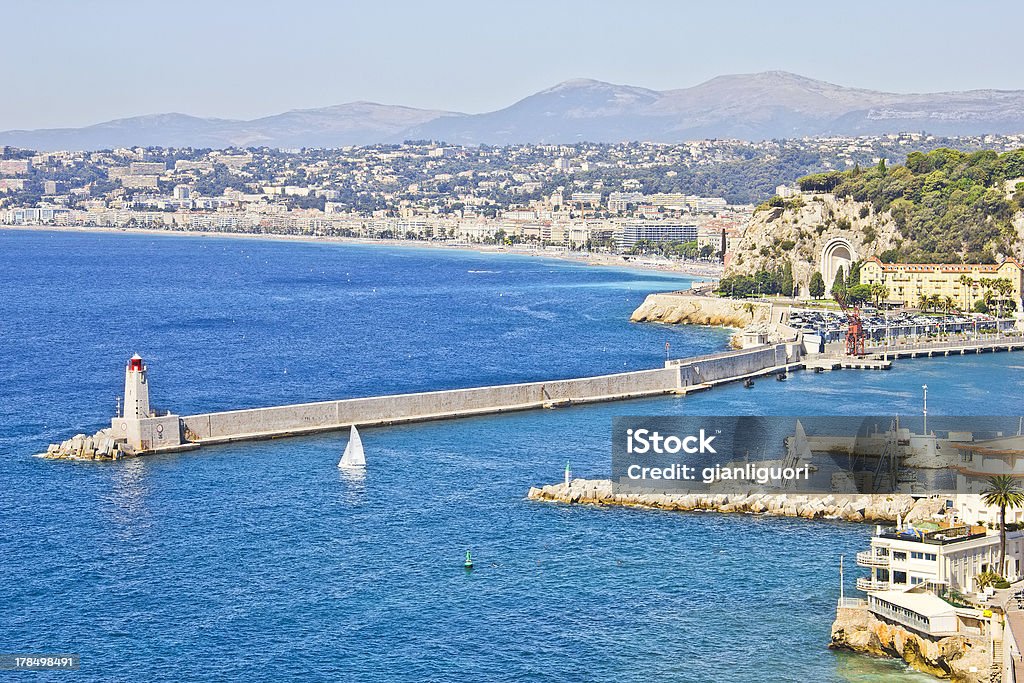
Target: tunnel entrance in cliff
point(837, 253)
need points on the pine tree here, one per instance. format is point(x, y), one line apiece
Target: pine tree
point(853, 279)
point(786, 285)
point(816, 288)
point(839, 284)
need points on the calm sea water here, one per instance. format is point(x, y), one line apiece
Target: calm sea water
point(262, 561)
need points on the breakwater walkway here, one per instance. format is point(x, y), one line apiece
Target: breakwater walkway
point(677, 377)
point(139, 431)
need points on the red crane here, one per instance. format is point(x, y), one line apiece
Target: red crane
point(854, 327)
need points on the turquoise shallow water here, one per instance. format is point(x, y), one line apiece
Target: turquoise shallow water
point(261, 561)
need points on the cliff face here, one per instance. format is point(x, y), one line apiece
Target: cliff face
point(701, 310)
point(952, 657)
point(798, 235)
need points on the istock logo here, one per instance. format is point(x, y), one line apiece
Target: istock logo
point(641, 441)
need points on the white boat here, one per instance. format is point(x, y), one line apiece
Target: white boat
point(353, 456)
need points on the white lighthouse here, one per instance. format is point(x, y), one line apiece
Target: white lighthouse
point(138, 425)
point(136, 389)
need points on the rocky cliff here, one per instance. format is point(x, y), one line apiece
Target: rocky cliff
point(952, 657)
point(799, 232)
point(675, 308)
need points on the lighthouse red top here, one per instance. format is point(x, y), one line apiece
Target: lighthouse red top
point(135, 363)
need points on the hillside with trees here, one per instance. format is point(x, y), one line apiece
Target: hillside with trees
point(942, 206)
point(948, 206)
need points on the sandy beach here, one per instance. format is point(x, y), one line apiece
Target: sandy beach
point(709, 271)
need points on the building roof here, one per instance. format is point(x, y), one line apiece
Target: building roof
point(1005, 445)
point(925, 604)
point(942, 267)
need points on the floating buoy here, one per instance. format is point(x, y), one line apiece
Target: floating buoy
point(468, 564)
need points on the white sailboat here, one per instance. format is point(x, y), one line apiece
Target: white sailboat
point(353, 456)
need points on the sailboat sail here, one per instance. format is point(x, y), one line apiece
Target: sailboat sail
point(353, 456)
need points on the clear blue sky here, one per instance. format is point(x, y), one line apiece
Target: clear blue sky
point(75, 62)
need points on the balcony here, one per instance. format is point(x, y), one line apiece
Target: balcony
point(868, 558)
point(865, 584)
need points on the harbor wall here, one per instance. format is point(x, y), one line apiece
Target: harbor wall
point(730, 365)
point(677, 376)
point(380, 410)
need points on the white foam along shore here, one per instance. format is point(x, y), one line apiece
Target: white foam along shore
point(847, 507)
point(708, 271)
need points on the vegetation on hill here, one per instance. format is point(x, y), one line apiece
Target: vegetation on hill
point(949, 206)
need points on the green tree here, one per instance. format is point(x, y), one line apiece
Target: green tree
point(816, 288)
point(858, 294)
point(1003, 492)
point(786, 285)
point(838, 284)
point(879, 292)
point(854, 276)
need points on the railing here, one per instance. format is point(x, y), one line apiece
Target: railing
point(870, 559)
point(967, 344)
point(871, 585)
point(852, 602)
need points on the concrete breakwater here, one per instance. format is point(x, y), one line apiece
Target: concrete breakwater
point(849, 507)
point(140, 431)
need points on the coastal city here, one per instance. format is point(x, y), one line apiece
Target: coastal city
point(415, 342)
point(584, 197)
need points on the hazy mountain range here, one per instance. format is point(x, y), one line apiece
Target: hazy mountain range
point(773, 104)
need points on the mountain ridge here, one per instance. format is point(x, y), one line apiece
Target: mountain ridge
point(763, 105)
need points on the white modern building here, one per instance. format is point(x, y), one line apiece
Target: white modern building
point(656, 231)
point(940, 558)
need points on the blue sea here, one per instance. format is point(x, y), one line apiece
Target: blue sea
point(259, 561)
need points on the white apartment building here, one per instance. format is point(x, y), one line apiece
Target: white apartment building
point(656, 231)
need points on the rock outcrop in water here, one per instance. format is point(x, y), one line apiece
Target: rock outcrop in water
point(953, 657)
point(850, 507)
point(675, 308)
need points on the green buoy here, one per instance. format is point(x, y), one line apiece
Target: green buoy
point(468, 564)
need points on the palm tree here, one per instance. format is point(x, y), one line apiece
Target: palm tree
point(966, 281)
point(879, 292)
point(1003, 492)
point(949, 304)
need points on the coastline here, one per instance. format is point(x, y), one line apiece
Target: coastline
point(699, 271)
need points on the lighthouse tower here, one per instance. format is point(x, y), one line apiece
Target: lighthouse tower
point(138, 426)
point(136, 389)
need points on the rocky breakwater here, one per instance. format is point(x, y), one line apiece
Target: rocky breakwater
point(959, 658)
point(680, 308)
point(849, 507)
point(100, 446)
